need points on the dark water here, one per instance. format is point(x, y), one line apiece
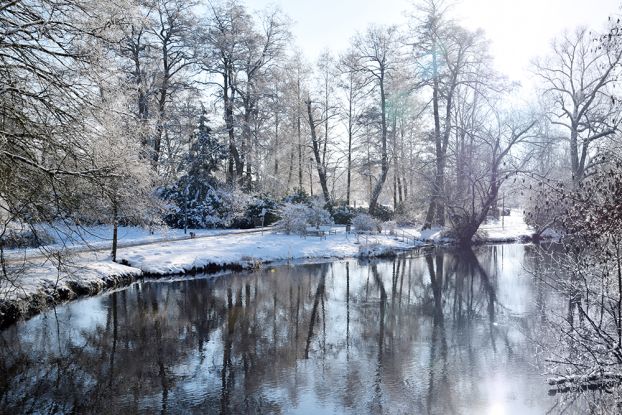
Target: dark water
point(446, 333)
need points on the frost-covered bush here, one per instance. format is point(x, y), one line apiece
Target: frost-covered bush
point(25, 238)
point(293, 218)
point(217, 208)
point(297, 196)
point(317, 215)
point(383, 213)
point(364, 222)
point(343, 215)
point(232, 205)
point(390, 226)
point(263, 205)
point(296, 217)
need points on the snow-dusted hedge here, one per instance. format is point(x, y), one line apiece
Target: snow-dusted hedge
point(343, 214)
point(364, 222)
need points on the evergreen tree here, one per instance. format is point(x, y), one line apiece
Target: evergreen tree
point(193, 193)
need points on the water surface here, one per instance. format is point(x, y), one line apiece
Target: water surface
point(443, 333)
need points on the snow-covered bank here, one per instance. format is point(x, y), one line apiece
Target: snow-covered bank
point(39, 283)
point(511, 228)
point(250, 249)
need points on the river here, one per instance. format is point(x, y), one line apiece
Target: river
point(440, 332)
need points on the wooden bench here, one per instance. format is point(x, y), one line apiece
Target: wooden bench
point(315, 232)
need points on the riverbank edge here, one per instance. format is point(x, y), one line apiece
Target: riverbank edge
point(48, 296)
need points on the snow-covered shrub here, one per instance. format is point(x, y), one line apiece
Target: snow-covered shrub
point(217, 207)
point(296, 217)
point(375, 250)
point(232, 206)
point(297, 196)
point(343, 215)
point(25, 238)
point(293, 218)
point(317, 215)
point(383, 213)
point(390, 226)
point(364, 222)
point(262, 206)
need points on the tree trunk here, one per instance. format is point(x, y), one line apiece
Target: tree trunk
point(350, 128)
point(115, 230)
point(228, 98)
point(321, 169)
point(385, 159)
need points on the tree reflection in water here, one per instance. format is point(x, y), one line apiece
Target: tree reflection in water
point(439, 333)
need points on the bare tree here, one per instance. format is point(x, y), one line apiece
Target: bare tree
point(376, 52)
point(261, 50)
point(577, 81)
point(176, 40)
point(499, 150)
point(444, 55)
point(352, 85)
point(317, 152)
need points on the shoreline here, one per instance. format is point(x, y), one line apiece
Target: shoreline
point(93, 276)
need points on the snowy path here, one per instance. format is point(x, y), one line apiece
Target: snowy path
point(104, 246)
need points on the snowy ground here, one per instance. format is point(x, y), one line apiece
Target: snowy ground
point(510, 228)
point(507, 229)
point(80, 239)
point(245, 250)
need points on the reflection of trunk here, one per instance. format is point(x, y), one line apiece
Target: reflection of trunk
point(402, 285)
point(115, 331)
point(436, 278)
point(297, 314)
point(319, 292)
point(384, 164)
point(438, 336)
point(226, 374)
point(436, 272)
point(383, 300)
point(161, 366)
point(348, 305)
point(471, 258)
point(378, 379)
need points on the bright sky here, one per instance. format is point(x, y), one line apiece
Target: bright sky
point(519, 30)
